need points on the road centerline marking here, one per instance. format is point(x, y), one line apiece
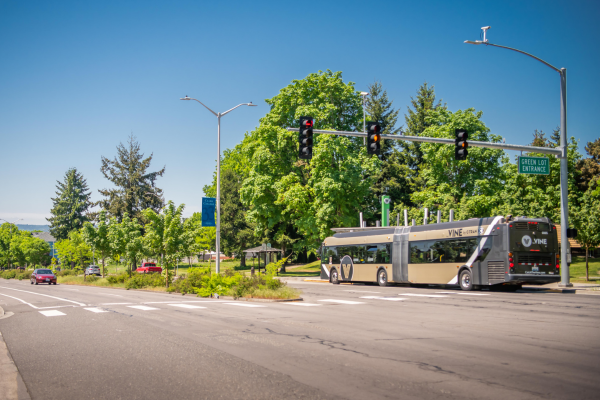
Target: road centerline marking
point(383, 298)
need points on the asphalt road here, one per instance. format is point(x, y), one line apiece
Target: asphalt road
point(353, 342)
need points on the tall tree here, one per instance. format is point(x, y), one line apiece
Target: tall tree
point(391, 178)
point(589, 168)
point(236, 233)
point(164, 236)
point(70, 205)
point(287, 195)
point(417, 121)
point(586, 218)
point(135, 188)
point(97, 238)
point(126, 240)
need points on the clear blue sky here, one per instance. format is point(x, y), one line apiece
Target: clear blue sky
point(77, 77)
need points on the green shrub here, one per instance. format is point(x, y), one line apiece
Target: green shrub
point(9, 274)
point(187, 283)
point(91, 278)
point(67, 272)
point(121, 278)
point(23, 275)
point(139, 281)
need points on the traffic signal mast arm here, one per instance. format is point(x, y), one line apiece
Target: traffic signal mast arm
point(472, 143)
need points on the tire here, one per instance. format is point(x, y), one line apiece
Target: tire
point(36, 282)
point(334, 277)
point(465, 280)
point(382, 278)
point(54, 283)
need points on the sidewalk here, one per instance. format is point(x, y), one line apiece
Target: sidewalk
point(12, 386)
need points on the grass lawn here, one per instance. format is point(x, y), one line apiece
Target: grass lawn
point(312, 269)
point(577, 269)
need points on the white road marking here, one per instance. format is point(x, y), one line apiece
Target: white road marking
point(359, 291)
point(113, 304)
point(383, 298)
point(47, 295)
point(185, 306)
point(244, 305)
point(468, 294)
point(110, 294)
point(95, 310)
point(189, 301)
point(51, 313)
point(299, 303)
point(342, 301)
point(22, 301)
point(421, 295)
point(144, 308)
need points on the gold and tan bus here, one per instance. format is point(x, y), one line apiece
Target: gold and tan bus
point(472, 253)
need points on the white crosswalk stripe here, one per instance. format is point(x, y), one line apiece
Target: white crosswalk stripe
point(51, 313)
point(95, 309)
point(144, 308)
point(244, 305)
point(420, 295)
point(467, 294)
point(185, 306)
point(342, 301)
point(299, 303)
point(383, 298)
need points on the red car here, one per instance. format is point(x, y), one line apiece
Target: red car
point(43, 276)
point(148, 267)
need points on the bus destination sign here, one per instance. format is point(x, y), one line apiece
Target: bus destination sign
point(534, 165)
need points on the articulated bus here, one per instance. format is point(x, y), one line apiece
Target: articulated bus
point(472, 253)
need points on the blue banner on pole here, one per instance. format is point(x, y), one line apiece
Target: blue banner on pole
point(208, 211)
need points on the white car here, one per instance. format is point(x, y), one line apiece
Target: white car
point(93, 270)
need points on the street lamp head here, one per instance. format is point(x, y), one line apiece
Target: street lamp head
point(474, 42)
point(186, 98)
point(250, 104)
point(364, 93)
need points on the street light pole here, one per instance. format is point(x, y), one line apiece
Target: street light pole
point(218, 115)
point(364, 103)
point(564, 199)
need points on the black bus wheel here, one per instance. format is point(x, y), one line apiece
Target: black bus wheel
point(382, 277)
point(466, 280)
point(334, 277)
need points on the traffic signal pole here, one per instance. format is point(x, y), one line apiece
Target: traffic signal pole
point(489, 145)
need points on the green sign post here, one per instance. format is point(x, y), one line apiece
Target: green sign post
point(534, 165)
point(385, 210)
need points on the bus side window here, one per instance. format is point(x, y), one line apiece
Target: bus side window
point(383, 253)
point(371, 253)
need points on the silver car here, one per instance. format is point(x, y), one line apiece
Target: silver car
point(93, 270)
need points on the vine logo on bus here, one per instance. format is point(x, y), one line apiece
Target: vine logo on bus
point(347, 268)
point(526, 240)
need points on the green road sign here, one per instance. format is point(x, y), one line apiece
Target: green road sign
point(534, 165)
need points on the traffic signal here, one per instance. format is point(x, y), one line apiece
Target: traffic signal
point(373, 138)
point(305, 137)
point(461, 144)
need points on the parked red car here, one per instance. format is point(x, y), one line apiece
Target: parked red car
point(43, 276)
point(148, 267)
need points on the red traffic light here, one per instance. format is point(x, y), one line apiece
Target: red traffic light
point(307, 123)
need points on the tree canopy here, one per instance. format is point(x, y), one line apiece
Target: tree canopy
point(70, 205)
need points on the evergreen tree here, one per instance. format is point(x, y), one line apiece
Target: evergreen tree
point(135, 187)
point(416, 120)
point(70, 205)
point(237, 235)
point(589, 168)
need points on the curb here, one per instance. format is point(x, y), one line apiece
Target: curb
point(1, 312)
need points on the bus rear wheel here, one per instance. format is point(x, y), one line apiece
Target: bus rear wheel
point(382, 277)
point(466, 280)
point(334, 277)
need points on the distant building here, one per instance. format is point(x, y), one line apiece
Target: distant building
point(48, 238)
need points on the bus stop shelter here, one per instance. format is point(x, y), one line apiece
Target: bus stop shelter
point(263, 252)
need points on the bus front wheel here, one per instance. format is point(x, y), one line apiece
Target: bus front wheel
point(382, 277)
point(334, 277)
point(466, 280)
